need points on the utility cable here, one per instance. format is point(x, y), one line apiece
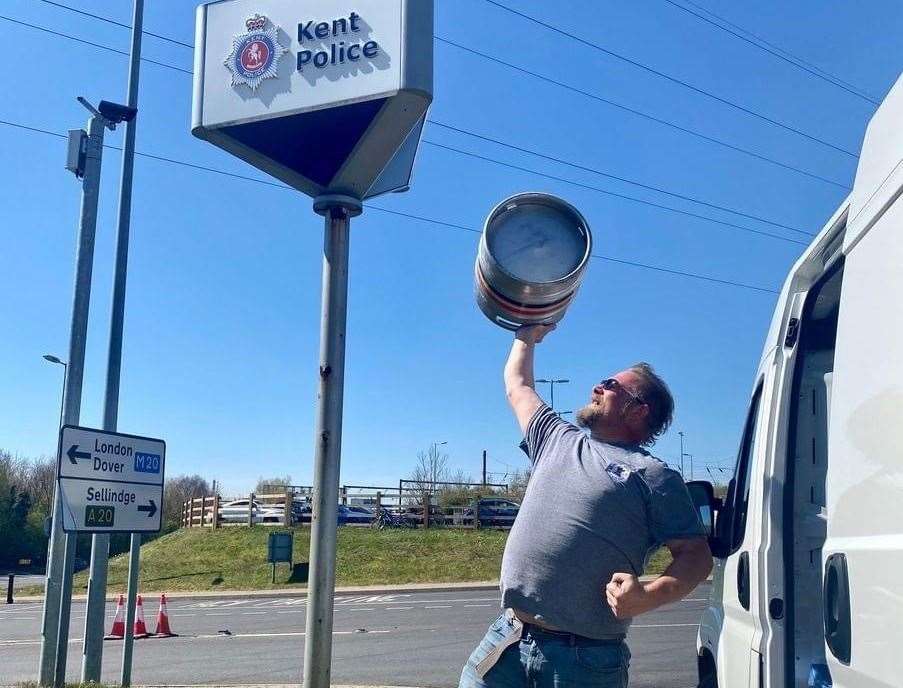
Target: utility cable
point(465, 153)
point(685, 84)
point(86, 42)
point(172, 161)
point(116, 23)
point(461, 47)
point(779, 49)
point(776, 54)
point(613, 194)
point(640, 113)
point(615, 177)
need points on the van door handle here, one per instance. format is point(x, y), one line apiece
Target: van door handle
point(743, 580)
point(837, 607)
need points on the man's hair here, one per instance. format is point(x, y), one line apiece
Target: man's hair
point(656, 395)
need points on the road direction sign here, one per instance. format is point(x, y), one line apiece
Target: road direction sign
point(110, 482)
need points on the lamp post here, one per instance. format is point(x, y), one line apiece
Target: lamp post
point(552, 384)
point(53, 359)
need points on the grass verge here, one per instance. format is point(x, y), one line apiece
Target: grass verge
point(235, 559)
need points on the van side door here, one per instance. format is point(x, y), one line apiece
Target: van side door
point(736, 529)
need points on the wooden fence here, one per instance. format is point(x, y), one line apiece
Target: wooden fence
point(418, 507)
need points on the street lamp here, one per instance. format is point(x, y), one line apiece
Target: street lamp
point(53, 359)
point(562, 413)
point(684, 455)
point(552, 384)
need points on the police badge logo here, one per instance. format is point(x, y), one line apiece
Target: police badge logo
point(255, 54)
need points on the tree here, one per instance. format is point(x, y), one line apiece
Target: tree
point(517, 484)
point(272, 485)
point(175, 492)
point(431, 468)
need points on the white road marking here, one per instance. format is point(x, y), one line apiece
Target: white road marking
point(694, 625)
point(394, 609)
point(224, 614)
point(252, 613)
point(361, 609)
point(289, 634)
point(439, 606)
point(477, 605)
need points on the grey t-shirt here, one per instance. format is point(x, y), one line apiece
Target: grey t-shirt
point(591, 509)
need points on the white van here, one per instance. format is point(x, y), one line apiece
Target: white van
point(808, 586)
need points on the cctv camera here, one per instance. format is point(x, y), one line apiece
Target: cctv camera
point(115, 112)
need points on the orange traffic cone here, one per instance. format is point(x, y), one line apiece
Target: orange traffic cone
point(140, 627)
point(163, 629)
point(118, 630)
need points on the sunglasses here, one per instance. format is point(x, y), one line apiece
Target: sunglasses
point(610, 384)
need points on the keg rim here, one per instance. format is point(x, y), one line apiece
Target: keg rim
point(540, 198)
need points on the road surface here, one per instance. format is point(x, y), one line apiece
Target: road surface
point(415, 639)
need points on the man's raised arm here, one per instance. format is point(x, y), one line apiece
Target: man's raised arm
point(519, 384)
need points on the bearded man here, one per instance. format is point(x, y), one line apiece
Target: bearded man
point(597, 505)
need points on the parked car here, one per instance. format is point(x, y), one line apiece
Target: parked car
point(236, 511)
point(495, 511)
point(356, 514)
point(344, 514)
point(808, 540)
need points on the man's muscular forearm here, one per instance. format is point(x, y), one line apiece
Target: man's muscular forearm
point(519, 384)
point(519, 367)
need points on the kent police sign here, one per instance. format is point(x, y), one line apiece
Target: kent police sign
point(326, 95)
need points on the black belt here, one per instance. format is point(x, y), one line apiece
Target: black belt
point(570, 638)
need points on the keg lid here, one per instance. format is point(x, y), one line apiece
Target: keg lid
point(536, 237)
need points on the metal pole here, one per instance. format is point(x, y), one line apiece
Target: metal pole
point(337, 211)
point(131, 596)
point(92, 647)
point(484, 468)
point(9, 588)
point(63, 395)
point(58, 590)
point(681, 453)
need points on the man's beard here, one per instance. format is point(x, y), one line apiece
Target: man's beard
point(586, 417)
point(596, 418)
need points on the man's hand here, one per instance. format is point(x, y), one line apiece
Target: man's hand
point(626, 596)
point(533, 334)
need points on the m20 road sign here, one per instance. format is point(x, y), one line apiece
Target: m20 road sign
point(110, 482)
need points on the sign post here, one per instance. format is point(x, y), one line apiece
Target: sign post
point(330, 97)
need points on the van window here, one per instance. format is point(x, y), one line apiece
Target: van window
point(738, 497)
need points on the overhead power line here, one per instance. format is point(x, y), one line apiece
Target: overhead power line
point(613, 194)
point(831, 80)
point(499, 162)
point(640, 113)
point(677, 127)
point(70, 37)
point(116, 23)
point(680, 82)
point(439, 223)
point(617, 178)
point(785, 52)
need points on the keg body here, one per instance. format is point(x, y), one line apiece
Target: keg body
point(532, 257)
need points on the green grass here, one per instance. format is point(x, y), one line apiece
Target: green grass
point(235, 559)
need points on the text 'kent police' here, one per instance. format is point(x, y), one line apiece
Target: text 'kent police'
point(320, 55)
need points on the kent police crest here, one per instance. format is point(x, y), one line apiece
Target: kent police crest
point(255, 54)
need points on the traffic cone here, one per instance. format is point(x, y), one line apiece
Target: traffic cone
point(140, 627)
point(118, 630)
point(163, 629)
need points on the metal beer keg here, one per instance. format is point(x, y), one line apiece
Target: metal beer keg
point(533, 254)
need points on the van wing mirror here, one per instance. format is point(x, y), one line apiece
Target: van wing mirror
point(707, 505)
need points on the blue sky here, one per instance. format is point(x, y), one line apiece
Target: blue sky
point(222, 316)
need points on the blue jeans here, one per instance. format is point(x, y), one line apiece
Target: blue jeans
point(547, 660)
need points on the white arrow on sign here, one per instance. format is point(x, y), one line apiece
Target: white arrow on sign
point(110, 482)
point(108, 507)
point(96, 454)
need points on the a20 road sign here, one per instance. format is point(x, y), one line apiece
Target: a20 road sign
point(109, 481)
